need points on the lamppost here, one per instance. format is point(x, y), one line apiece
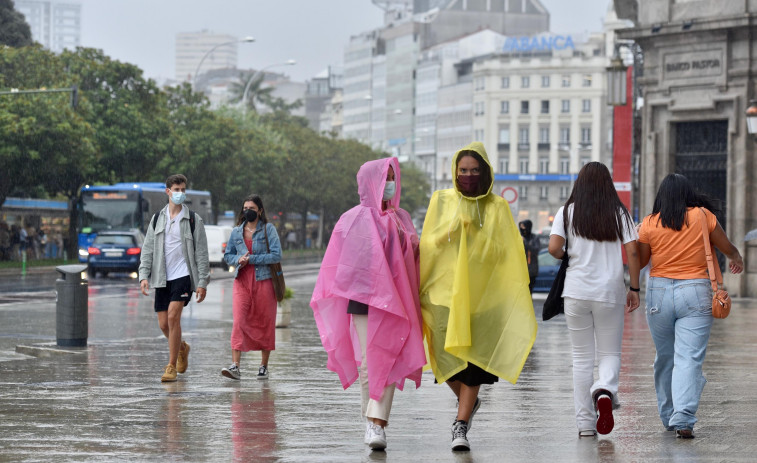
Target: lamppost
point(751, 118)
point(260, 71)
point(247, 39)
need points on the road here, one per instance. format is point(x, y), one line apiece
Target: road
point(106, 403)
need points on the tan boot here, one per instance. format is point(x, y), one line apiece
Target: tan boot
point(183, 361)
point(169, 375)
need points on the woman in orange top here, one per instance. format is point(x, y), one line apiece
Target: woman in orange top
point(679, 296)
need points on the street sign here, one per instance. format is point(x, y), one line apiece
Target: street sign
point(511, 196)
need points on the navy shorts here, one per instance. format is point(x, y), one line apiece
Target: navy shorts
point(179, 289)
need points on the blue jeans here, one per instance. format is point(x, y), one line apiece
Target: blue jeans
point(679, 315)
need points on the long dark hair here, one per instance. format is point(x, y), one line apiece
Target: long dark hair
point(485, 179)
point(258, 202)
point(674, 197)
point(598, 213)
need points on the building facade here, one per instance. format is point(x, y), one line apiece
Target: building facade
point(697, 80)
point(191, 47)
point(54, 24)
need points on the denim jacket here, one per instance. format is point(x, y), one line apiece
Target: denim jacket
point(259, 257)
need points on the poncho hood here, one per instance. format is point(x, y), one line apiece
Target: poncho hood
point(372, 258)
point(476, 147)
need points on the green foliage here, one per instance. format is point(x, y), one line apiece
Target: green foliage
point(415, 188)
point(14, 31)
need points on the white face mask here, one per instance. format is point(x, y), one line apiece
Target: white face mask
point(389, 190)
point(178, 197)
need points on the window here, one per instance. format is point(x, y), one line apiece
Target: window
point(523, 135)
point(586, 81)
point(523, 166)
point(564, 166)
point(543, 192)
point(563, 192)
point(504, 107)
point(478, 134)
point(586, 135)
point(585, 160)
point(525, 82)
point(545, 81)
point(479, 108)
point(505, 82)
point(503, 166)
point(543, 165)
point(566, 81)
point(479, 83)
point(545, 106)
point(565, 106)
point(586, 106)
point(543, 134)
point(565, 135)
point(504, 136)
point(523, 192)
point(524, 107)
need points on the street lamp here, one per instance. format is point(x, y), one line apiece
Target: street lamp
point(247, 39)
point(616, 82)
point(260, 71)
point(751, 118)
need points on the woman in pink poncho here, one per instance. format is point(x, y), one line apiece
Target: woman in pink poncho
point(366, 302)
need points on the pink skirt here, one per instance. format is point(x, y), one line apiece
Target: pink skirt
point(254, 312)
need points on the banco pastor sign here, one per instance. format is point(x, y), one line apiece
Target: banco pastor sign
point(692, 64)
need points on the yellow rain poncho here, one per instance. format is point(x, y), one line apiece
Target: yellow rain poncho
point(475, 299)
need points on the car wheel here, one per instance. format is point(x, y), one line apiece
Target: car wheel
point(104, 274)
point(91, 272)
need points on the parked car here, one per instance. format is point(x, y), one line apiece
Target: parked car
point(548, 267)
point(115, 251)
point(218, 236)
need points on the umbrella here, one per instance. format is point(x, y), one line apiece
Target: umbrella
point(752, 235)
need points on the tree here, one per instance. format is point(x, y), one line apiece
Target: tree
point(256, 91)
point(14, 30)
point(415, 188)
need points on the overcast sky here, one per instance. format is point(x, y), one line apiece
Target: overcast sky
point(312, 32)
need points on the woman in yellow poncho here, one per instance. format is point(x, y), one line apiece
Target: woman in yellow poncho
point(478, 318)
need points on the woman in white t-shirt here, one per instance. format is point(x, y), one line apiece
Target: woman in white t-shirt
point(595, 292)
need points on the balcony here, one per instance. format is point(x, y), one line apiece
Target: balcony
point(543, 146)
point(503, 146)
point(524, 146)
point(563, 146)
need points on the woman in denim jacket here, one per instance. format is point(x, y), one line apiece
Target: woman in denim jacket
point(253, 299)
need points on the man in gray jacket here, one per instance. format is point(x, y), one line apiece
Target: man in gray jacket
point(175, 259)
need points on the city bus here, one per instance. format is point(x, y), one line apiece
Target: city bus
point(128, 206)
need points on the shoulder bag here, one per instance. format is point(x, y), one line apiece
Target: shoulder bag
point(277, 274)
point(555, 304)
point(721, 301)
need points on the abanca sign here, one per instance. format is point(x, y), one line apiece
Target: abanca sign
point(543, 43)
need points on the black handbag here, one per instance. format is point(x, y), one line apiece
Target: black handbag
point(555, 304)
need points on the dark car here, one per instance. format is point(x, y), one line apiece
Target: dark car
point(548, 267)
point(115, 251)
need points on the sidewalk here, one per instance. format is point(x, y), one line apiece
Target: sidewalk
point(107, 403)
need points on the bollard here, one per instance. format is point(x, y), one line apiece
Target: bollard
point(23, 263)
point(71, 327)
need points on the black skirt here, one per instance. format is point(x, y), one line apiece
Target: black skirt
point(474, 376)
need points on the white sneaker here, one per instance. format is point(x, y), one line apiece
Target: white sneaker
point(376, 437)
point(367, 437)
point(232, 372)
point(460, 436)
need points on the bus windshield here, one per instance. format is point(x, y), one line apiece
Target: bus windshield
point(109, 211)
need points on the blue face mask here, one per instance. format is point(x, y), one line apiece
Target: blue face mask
point(389, 190)
point(178, 197)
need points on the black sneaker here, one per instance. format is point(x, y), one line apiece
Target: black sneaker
point(232, 372)
point(460, 436)
point(263, 372)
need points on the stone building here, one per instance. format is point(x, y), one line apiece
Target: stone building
point(698, 66)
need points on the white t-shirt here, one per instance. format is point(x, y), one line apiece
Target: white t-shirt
point(595, 270)
point(176, 266)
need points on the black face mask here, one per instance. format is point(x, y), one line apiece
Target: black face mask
point(523, 232)
point(250, 215)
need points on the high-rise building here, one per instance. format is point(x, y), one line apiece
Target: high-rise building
point(54, 24)
point(191, 47)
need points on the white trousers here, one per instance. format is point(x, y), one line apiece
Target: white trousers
point(371, 408)
point(594, 327)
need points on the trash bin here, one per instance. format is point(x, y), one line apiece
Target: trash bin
point(71, 328)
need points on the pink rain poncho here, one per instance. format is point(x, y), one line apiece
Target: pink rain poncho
point(372, 258)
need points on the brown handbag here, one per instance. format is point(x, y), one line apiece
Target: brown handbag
point(277, 274)
point(721, 301)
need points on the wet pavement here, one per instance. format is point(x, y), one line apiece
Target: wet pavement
point(106, 402)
